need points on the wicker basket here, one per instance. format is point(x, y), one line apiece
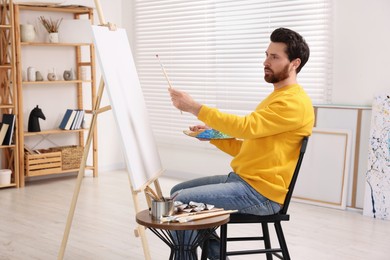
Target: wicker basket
point(46, 162)
point(71, 156)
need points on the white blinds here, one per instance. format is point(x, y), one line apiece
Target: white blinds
point(215, 49)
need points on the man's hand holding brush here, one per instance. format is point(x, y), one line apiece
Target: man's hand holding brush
point(181, 100)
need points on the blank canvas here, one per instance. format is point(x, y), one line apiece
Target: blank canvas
point(326, 164)
point(127, 102)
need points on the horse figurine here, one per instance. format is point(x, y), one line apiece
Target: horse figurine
point(33, 122)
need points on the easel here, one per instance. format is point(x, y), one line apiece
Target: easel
point(96, 110)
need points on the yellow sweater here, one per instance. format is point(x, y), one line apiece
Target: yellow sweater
point(267, 141)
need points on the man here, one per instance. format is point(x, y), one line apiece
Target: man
point(267, 141)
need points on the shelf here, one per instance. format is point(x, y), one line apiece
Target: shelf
point(55, 82)
point(53, 132)
point(81, 54)
point(8, 185)
point(7, 146)
point(7, 106)
point(47, 44)
point(6, 66)
point(9, 94)
point(60, 172)
point(57, 8)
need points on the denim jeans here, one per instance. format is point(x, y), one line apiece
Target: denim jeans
point(228, 192)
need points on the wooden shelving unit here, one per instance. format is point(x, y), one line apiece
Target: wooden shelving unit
point(79, 49)
point(8, 91)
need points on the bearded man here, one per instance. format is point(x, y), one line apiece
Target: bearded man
point(266, 142)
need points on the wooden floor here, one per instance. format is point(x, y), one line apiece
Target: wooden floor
point(32, 222)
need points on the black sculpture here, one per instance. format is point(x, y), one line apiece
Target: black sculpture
point(33, 122)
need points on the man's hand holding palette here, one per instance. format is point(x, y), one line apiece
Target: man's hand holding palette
point(207, 134)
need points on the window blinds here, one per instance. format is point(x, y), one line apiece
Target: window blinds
point(214, 50)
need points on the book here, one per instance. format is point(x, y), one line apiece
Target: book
point(10, 120)
point(65, 119)
point(80, 119)
point(74, 123)
point(71, 119)
point(3, 131)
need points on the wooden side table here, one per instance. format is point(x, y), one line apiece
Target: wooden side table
point(174, 234)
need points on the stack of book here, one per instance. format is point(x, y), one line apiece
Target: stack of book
point(7, 129)
point(73, 119)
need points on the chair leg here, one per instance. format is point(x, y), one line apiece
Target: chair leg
point(205, 248)
point(223, 242)
point(282, 241)
point(267, 241)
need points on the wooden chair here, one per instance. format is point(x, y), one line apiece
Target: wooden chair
point(264, 220)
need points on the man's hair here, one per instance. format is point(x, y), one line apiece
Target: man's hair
point(296, 45)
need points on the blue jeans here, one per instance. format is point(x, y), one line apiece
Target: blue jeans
point(228, 192)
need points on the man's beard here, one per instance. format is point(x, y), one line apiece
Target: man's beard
point(277, 77)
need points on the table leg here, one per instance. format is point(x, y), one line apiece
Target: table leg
point(184, 243)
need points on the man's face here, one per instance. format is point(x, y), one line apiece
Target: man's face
point(277, 66)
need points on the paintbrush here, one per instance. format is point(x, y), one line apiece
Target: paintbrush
point(174, 195)
point(153, 194)
point(183, 215)
point(205, 215)
point(166, 75)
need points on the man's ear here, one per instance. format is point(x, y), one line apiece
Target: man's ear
point(296, 63)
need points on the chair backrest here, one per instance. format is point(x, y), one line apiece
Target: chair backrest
point(295, 176)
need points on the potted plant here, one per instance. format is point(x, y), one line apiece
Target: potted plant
point(51, 27)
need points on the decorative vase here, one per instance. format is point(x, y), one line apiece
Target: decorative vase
point(31, 76)
point(68, 74)
point(27, 32)
point(38, 76)
point(53, 37)
point(51, 76)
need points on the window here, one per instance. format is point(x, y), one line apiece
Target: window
point(214, 50)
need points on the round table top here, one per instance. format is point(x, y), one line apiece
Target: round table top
point(145, 219)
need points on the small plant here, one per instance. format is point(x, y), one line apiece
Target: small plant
point(50, 25)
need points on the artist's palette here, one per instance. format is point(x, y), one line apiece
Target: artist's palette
point(207, 134)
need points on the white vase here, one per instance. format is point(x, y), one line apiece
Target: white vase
point(31, 75)
point(53, 37)
point(27, 32)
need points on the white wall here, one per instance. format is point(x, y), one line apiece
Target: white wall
point(361, 50)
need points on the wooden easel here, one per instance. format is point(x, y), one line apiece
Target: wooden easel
point(96, 110)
